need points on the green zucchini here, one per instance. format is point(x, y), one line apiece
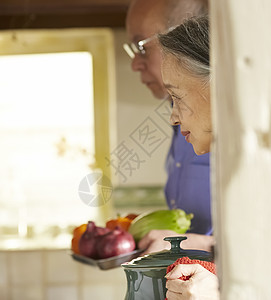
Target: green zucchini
point(175, 219)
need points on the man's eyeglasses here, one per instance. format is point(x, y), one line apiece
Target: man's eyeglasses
point(137, 48)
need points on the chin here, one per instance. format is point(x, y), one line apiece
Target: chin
point(200, 151)
point(159, 93)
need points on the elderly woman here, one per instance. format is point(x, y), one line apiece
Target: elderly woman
point(186, 76)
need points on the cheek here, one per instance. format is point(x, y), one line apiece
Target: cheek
point(202, 119)
point(185, 112)
point(154, 64)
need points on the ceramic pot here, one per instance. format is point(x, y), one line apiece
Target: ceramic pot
point(146, 275)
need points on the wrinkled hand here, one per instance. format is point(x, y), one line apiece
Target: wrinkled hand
point(202, 285)
point(154, 241)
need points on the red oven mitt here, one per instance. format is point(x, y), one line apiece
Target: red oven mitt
point(210, 266)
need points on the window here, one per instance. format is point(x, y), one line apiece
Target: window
point(54, 117)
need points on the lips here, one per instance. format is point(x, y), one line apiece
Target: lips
point(186, 134)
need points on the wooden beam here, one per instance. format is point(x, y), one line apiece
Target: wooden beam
point(11, 7)
point(34, 21)
point(16, 14)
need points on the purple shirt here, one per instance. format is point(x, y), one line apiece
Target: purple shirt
point(188, 184)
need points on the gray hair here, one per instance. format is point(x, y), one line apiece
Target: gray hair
point(189, 43)
point(176, 11)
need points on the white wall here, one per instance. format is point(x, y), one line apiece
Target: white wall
point(135, 103)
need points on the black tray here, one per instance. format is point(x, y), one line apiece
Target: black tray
point(107, 263)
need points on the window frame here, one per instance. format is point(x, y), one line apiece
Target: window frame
point(100, 43)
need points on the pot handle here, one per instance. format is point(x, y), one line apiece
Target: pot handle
point(175, 242)
point(138, 282)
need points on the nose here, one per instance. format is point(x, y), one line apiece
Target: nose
point(174, 118)
point(138, 63)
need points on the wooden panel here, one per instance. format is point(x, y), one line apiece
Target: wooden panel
point(241, 103)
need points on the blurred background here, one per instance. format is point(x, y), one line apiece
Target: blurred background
point(70, 106)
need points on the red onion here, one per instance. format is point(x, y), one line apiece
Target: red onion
point(114, 243)
point(101, 231)
point(88, 240)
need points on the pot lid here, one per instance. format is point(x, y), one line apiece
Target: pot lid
point(168, 257)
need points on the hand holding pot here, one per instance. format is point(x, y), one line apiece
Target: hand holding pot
point(202, 284)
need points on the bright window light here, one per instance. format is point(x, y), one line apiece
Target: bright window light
point(47, 139)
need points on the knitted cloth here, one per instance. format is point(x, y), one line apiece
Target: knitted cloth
point(210, 266)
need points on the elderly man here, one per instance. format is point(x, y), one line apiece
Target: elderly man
point(188, 185)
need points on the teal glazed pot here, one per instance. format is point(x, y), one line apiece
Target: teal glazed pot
point(146, 275)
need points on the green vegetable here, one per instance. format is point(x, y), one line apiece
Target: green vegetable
point(175, 219)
